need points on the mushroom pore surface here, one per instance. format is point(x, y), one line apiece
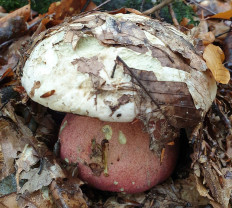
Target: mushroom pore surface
point(114, 156)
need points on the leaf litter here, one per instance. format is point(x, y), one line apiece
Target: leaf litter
point(32, 164)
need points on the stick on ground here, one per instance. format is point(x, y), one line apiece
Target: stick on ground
point(157, 7)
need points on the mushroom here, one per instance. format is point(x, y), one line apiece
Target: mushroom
point(119, 69)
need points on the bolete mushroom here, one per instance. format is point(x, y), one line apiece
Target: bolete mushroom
point(119, 68)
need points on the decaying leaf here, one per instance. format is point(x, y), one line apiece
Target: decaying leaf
point(68, 193)
point(214, 57)
point(201, 189)
point(7, 185)
point(11, 144)
point(36, 168)
point(41, 198)
point(211, 163)
point(180, 193)
point(36, 178)
point(9, 201)
point(221, 191)
point(124, 201)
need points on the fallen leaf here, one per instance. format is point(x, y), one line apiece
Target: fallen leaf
point(36, 180)
point(13, 28)
point(7, 185)
point(176, 193)
point(218, 28)
point(227, 48)
point(8, 73)
point(66, 8)
point(11, 144)
point(223, 15)
point(201, 189)
point(22, 12)
point(9, 201)
point(210, 7)
point(68, 193)
point(207, 38)
point(214, 57)
point(41, 198)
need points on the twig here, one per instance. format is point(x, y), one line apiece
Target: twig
point(112, 75)
point(38, 21)
point(173, 15)
point(143, 87)
point(222, 116)
point(142, 4)
point(136, 78)
point(41, 166)
point(105, 2)
point(193, 1)
point(6, 43)
point(157, 7)
point(86, 5)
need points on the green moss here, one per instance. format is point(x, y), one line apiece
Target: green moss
point(181, 10)
point(40, 6)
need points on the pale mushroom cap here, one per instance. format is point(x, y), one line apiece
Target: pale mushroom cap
point(75, 62)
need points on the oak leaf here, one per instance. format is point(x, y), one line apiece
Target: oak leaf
point(214, 57)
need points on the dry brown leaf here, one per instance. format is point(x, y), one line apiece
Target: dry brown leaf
point(23, 12)
point(210, 7)
point(69, 7)
point(185, 23)
point(201, 189)
point(214, 57)
point(41, 198)
point(176, 193)
point(68, 193)
point(207, 38)
point(218, 28)
point(202, 28)
point(8, 73)
point(215, 204)
point(9, 201)
point(133, 11)
point(223, 15)
point(11, 144)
